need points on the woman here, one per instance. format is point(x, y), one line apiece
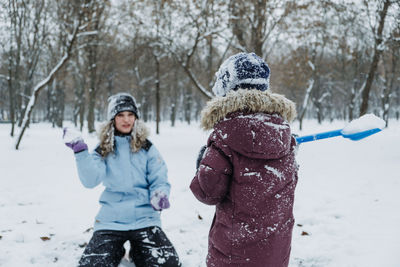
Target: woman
point(248, 169)
point(136, 190)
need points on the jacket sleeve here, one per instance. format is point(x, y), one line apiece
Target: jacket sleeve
point(91, 168)
point(157, 172)
point(211, 182)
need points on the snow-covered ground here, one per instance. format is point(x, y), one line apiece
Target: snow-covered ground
point(347, 200)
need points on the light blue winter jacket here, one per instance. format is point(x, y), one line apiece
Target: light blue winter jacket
point(130, 179)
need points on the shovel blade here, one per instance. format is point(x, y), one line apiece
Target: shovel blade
point(361, 135)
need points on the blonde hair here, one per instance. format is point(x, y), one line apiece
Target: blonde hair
point(106, 136)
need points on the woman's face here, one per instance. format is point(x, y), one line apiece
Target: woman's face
point(124, 121)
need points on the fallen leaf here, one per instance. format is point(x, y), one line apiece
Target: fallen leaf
point(304, 233)
point(200, 218)
point(88, 230)
point(45, 238)
point(299, 225)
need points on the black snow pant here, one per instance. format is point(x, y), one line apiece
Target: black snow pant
point(149, 247)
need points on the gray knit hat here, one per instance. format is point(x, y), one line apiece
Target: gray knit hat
point(121, 102)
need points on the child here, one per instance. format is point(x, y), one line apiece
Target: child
point(248, 169)
point(136, 190)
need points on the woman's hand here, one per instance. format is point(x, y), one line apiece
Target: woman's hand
point(73, 139)
point(159, 201)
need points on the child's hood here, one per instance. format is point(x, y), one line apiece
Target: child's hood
point(251, 122)
point(255, 135)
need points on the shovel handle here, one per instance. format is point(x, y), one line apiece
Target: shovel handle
point(352, 136)
point(313, 137)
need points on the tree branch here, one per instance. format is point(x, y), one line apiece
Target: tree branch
point(46, 81)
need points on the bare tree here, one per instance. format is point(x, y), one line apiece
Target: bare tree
point(35, 35)
point(378, 48)
point(391, 73)
point(94, 16)
point(17, 16)
point(254, 23)
point(75, 10)
point(203, 30)
point(79, 81)
point(320, 61)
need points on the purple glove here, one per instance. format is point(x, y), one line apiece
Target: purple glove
point(73, 140)
point(159, 201)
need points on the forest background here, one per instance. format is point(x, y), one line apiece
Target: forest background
point(61, 60)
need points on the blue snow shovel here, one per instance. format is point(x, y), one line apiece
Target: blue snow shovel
point(353, 136)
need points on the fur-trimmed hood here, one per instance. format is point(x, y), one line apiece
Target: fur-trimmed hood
point(139, 134)
point(249, 101)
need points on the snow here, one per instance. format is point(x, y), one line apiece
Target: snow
point(261, 118)
point(70, 135)
point(87, 33)
point(274, 171)
point(364, 123)
point(346, 205)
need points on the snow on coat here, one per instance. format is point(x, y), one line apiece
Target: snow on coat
point(130, 179)
point(249, 172)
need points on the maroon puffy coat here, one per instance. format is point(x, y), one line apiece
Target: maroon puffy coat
point(249, 172)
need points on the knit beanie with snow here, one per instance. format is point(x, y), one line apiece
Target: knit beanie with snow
point(121, 102)
point(242, 71)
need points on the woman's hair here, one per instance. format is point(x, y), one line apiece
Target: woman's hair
point(106, 136)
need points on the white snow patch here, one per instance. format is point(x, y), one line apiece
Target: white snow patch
point(223, 135)
point(147, 240)
point(364, 123)
point(71, 135)
point(262, 118)
point(274, 171)
point(251, 174)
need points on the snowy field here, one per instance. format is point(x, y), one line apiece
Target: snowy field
point(347, 205)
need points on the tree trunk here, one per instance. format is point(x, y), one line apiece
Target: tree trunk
point(173, 115)
point(52, 100)
point(91, 106)
point(60, 102)
point(157, 83)
point(375, 59)
point(92, 61)
point(305, 103)
point(352, 104)
point(17, 20)
point(188, 107)
point(94, 15)
point(258, 26)
point(319, 112)
point(389, 80)
point(12, 106)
